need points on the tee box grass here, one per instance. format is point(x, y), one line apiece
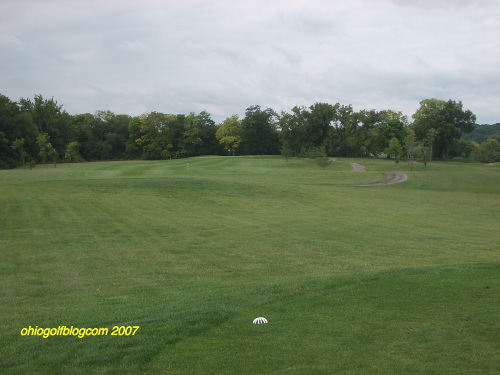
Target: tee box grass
point(396, 279)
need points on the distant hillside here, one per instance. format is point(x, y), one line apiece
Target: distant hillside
point(482, 132)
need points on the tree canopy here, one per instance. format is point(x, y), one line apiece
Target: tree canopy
point(449, 120)
point(36, 130)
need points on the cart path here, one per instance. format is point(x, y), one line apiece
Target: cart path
point(357, 167)
point(392, 178)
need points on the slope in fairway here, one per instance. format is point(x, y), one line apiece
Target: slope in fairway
point(353, 280)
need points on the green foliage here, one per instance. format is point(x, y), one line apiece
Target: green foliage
point(72, 154)
point(319, 155)
point(103, 135)
point(52, 154)
point(258, 132)
point(319, 120)
point(6, 160)
point(191, 137)
point(343, 132)
point(229, 134)
point(286, 150)
point(449, 121)
point(304, 152)
point(431, 136)
point(18, 145)
point(312, 152)
point(423, 155)
point(44, 145)
point(392, 125)
point(489, 151)
point(410, 146)
point(463, 149)
point(8, 132)
point(292, 128)
point(49, 118)
point(316, 152)
point(45, 112)
point(341, 135)
point(322, 162)
point(483, 132)
point(394, 150)
point(158, 133)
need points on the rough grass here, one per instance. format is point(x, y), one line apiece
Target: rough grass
point(353, 280)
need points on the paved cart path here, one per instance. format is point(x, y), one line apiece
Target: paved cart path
point(357, 167)
point(392, 177)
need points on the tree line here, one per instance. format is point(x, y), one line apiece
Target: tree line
point(482, 133)
point(39, 130)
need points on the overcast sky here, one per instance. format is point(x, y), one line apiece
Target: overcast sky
point(222, 56)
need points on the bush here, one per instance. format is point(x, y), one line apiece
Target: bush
point(489, 151)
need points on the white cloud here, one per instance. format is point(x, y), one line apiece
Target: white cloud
point(224, 56)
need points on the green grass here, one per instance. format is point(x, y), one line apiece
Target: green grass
point(400, 279)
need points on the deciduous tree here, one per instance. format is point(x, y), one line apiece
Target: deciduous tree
point(489, 151)
point(72, 154)
point(258, 132)
point(49, 118)
point(423, 155)
point(410, 145)
point(18, 146)
point(394, 149)
point(391, 125)
point(449, 120)
point(43, 145)
point(229, 134)
point(293, 129)
point(286, 150)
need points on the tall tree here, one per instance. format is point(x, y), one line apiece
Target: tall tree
point(132, 148)
point(286, 150)
point(394, 149)
point(259, 133)
point(18, 146)
point(320, 119)
point(6, 156)
point(431, 136)
point(72, 154)
point(391, 125)
point(49, 118)
point(450, 121)
point(26, 129)
point(423, 154)
point(9, 112)
point(44, 146)
point(210, 144)
point(191, 137)
point(158, 134)
point(229, 134)
point(364, 143)
point(43, 111)
point(293, 129)
point(341, 135)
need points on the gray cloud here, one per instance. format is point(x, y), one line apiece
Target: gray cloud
point(223, 56)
